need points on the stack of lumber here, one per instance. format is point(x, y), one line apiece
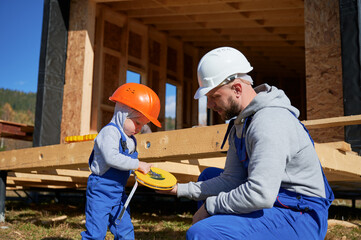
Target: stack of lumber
point(184, 152)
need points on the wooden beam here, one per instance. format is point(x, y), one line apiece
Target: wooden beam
point(16, 130)
point(334, 160)
point(254, 15)
point(76, 106)
point(244, 24)
point(12, 182)
point(333, 122)
point(275, 37)
point(340, 145)
point(272, 30)
point(65, 172)
point(46, 177)
point(215, 6)
point(54, 156)
point(189, 143)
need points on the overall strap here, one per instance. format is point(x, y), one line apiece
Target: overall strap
point(123, 148)
point(230, 125)
point(122, 142)
point(329, 193)
point(239, 142)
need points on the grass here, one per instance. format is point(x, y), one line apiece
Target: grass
point(153, 218)
point(34, 223)
point(169, 219)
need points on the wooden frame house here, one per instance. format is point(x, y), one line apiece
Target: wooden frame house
point(89, 45)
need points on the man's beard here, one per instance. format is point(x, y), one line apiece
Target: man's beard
point(232, 111)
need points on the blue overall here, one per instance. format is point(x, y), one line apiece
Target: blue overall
point(294, 216)
point(105, 199)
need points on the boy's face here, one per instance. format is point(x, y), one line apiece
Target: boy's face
point(133, 126)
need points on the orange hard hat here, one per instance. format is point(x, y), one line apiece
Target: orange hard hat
point(140, 98)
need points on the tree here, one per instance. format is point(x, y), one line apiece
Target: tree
point(7, 112)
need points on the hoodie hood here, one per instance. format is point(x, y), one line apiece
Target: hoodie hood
point(121, 112)
point(268, 97)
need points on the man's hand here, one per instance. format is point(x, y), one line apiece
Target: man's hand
point(170, 192)
point(200, 214)
point(144, 167)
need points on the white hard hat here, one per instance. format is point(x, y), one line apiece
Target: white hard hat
point(217, 65)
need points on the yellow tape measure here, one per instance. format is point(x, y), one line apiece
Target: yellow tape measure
point(80, 138)
point(157, 179)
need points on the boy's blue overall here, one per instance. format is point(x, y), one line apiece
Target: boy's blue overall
point(105, 199)
point(294, 216)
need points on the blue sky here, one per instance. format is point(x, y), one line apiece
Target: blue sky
point(20, 40)
point(20, 24)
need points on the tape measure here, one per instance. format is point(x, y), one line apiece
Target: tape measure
point(80, 138)
point(157, 179)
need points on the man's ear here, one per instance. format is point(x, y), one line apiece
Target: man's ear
point(237, 88)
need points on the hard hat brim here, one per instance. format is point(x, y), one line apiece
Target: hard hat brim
point(202, 91)
point(153, 120)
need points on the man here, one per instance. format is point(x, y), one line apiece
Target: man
point(272, 186)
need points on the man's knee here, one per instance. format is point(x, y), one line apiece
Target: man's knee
point(195, 232)
point(202, 230)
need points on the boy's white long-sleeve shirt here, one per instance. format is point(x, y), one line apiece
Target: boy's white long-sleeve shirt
point(280, 154)
point(106, 145)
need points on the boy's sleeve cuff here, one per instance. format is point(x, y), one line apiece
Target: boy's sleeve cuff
point(182, 190)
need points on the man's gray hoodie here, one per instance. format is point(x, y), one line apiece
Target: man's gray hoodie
point(281, 155)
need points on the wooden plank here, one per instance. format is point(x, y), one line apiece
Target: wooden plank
point(158, 83)
point(334, 160)
point(187, 143)
point(268, 37)
point(333, 122)
point(244, 24)
point(272, 30)
point(253, 15)
point(152, 4)
point(322, 99)
point(190, 143)
point(53, 156)
point(79, 70)
point(216, 7)
point(177, 46)
point(142, 31)
point(27, 184)
point(46, 177)
point(16, 130)
point(200, 32)
point(340, 145)
point(65, 172)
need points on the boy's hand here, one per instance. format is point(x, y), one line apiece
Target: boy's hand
point(144, 167)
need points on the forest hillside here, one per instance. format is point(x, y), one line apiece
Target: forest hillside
point(19, 107)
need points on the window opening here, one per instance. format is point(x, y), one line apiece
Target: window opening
point(170, 106)
point(202, 111)
point(133, 77)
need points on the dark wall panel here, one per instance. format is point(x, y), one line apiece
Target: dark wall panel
point(51, 72)
point(350, 45)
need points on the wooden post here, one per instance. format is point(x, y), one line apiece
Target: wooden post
point(323, 66)
point(77, 95)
